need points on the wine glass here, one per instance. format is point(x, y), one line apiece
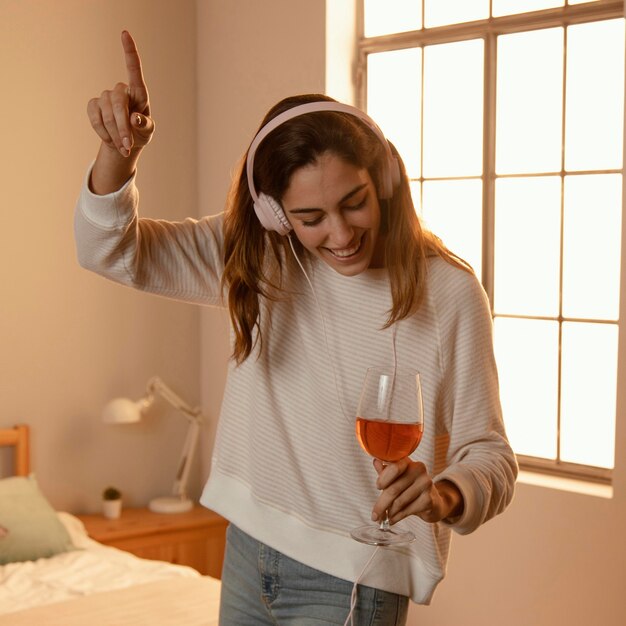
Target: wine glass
point(389, 427)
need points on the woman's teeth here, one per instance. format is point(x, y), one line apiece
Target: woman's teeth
point(346, 252)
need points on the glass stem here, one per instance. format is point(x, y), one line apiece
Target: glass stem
point(384, 523)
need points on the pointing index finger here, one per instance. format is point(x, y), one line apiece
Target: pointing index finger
point(136, 83)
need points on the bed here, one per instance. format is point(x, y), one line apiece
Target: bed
point(52, 573)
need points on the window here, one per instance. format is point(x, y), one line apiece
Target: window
point(511, 128)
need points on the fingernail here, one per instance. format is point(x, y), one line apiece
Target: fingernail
point(374, 517)
point(138, 120)
point(126, 142)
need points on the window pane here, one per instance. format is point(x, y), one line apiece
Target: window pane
point(452, 209)
point(595, 96)
point(527, 357)
point(529, 102)
point(591, 248)
point(527, 243)
point(589, 381)
point(394, 92)
point(511, 7)
point(441, 12)
point(395, 16)
point(453, 109)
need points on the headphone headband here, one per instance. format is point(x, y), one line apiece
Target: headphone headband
point(268, 210)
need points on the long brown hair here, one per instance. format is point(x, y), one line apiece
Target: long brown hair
point(253, 267)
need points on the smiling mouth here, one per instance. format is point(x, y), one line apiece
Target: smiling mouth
point(346, 253)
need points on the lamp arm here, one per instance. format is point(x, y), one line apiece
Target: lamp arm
point(155, 384)
point(194, 417)
point(186, 458)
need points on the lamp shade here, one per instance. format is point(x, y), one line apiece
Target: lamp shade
point(124, 411)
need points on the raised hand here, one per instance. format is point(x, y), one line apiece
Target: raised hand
point(121, 116)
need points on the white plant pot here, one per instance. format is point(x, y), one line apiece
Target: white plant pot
point(111, 509)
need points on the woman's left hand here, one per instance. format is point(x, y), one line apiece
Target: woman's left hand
point(408, 489)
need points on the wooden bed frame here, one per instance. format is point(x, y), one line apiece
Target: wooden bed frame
point(18, 437)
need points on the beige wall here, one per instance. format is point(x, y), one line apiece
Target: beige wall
point(70, 341)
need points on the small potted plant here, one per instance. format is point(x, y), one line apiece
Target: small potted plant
point(111, 503)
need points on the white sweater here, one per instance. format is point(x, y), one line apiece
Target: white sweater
point(287, 468)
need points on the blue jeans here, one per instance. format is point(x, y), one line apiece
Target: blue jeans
point(262, 586)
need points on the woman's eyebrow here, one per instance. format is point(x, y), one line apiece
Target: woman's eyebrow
point(351, 193)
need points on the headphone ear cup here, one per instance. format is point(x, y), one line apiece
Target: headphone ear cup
point(394, 167)
point(271, 215)
point(390, 178)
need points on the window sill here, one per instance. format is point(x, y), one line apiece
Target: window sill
point(584, 487)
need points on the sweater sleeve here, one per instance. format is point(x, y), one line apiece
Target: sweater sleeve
point(480, 461)
point(181, 260)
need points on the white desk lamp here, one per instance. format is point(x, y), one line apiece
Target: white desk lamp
point(126, 411)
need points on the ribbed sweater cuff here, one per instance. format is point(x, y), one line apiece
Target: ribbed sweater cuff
point(109, 210)
point(472, 499)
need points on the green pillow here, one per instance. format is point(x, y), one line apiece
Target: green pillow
point(29, 526)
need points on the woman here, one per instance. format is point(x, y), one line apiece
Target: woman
point(326, 270)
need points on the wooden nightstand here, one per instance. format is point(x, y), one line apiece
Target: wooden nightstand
point(196, 538)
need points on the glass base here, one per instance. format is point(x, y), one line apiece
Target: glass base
point(377, 536)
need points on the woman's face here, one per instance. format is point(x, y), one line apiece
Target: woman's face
point(334, 211)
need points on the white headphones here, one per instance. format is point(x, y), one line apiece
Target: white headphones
point(267, 209)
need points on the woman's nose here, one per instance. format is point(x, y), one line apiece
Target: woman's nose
point(342, 233)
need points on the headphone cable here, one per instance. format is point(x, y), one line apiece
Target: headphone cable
point(319, 308)
point(353, 595)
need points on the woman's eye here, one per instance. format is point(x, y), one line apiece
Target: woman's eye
point(313, 222)
point(360, 205)
point(351, 207)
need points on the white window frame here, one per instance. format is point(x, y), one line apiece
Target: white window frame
point(489, 30)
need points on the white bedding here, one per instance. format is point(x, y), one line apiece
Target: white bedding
point(173, 602)
point(91, 569)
